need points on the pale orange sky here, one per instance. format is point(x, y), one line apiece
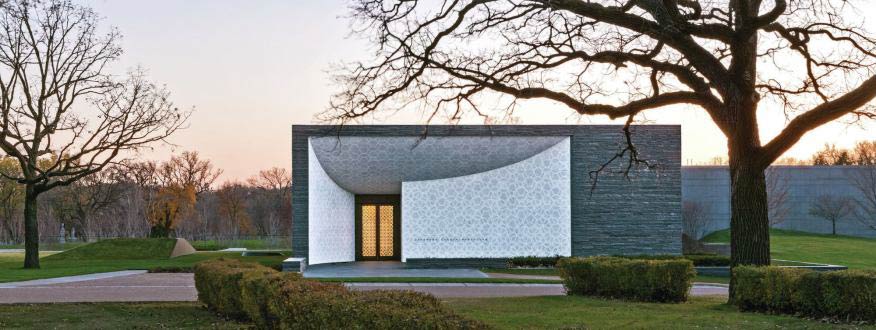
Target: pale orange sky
point(253, 68)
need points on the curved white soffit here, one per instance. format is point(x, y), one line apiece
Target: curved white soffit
point(562, 144)
point(378, 165)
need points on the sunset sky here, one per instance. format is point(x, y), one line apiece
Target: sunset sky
point(251, 69)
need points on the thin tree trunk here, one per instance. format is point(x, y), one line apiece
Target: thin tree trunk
point(31, 229)
point(834, 227)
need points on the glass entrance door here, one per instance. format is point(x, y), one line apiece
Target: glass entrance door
point(377, 228)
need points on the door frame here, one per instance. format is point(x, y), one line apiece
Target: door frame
point(395, 201)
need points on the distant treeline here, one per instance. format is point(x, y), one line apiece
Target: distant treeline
point(139, 199)
point(863, 153)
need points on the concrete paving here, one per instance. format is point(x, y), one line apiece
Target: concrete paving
point(468, 290)
point(130, 288)
point(70, 279)
point(385, 269)
point(488, 290)
point(142, 287)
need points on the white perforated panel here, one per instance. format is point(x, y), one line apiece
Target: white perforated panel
point(517, 210)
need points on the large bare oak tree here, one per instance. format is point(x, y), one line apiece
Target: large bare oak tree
point(64, 116)
point(619, 58)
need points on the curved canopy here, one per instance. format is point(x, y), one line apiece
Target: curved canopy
point(378, 165)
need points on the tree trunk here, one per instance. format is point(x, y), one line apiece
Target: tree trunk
point(749, 220)
point(833, 232)
point(31, 229)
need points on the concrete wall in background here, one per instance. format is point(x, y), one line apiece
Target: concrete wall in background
point(709, 186)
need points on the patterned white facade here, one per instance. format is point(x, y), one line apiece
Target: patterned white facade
point(378, 165)
point(331, 234)
point(516, 210)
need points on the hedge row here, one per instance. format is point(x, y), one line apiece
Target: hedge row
point(635, 279)
point(276, 300)
point(699, 260)
point(218, 284)
point(533, 261)
point(848, 295)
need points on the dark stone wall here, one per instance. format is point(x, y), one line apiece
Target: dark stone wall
point(639, 214)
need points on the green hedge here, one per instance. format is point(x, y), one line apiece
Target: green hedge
point(533, 261)
point(699, 260)
point(276, 300)
point(635, 279)
point(848, 295)
point(219, 283)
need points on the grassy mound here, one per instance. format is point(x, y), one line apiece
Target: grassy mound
point(120, 248)
point(854, 252)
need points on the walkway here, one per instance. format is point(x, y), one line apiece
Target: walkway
point(140, 286)
point(385, 269)
point(105, 287)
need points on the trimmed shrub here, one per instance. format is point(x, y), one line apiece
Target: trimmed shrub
point(219, 283)
point(276, 300)
point(699, 260)
point(708, 260)
point(385, 309)
point(172, 269)
point(533, 261)
point(848, 295)
point(767, 288)
point(635, 279)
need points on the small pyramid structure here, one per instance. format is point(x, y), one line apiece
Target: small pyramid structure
point(182, 247)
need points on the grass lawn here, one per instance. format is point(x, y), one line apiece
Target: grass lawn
point(502, 313)
point(251, 244)
point(187, 315)
point(11, 264)
point(565, 312)
point(119, 248)
point(854, 252)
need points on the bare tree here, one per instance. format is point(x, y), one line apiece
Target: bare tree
point(694, 218)
point(618, 58)
point(233, 199)
point(833, 156)
point(778, 187)
point(57, 98)
point(832, 208)
point(11, 200)
point(865, 153)
point(272, 205)
point(863, 178)
point(189, 169)
point(79, 204)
